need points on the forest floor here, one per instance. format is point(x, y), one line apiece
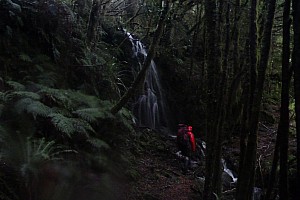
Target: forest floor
point(160, 176)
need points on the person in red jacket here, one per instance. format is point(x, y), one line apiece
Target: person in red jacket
point(186, 143)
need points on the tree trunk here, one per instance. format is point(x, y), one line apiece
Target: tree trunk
point(212, 174)
point(93, 23)
point(284, 122)
point(141, 75)
point(247, 173)
point(273, 173)
point(242, 182)
point(296, 66)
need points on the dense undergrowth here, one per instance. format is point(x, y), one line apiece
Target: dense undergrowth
point(58, 137)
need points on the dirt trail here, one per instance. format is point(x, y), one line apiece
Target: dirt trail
point(161, 177)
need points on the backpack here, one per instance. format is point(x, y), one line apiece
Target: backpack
point(184, 140)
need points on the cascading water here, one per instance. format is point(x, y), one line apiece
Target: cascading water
point(228, 171)
point(149, 106)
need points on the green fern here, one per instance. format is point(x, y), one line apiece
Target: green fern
point(22, 104)
point(15, 85)
point(9, 96)
point(93, 114)
point(33, 107)
point(47, 78)
point(36, 152)
point(89, 114)
point(125, 117)
point(58, 96)
point(82, 126)
point(37, 108)
point(24, 57)
point(70, 125)
point(97, 143)
point(83, 100)
point(70, 99)
point(41, 58)
point(63, 124)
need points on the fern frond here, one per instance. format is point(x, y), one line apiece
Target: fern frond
point(98, 144)
point(22, 104)
point(33, 107)
point(42, 149)
point(125, 113)
point(82, 126)
point(15, 85)
point(9, 96)
point(25, 57)
point(41, 58)
point(37, 108)
point(63, 124)
point(47, 78)
point(58, 96)
point(125, 117)
point(93, 114)
point(83, 100)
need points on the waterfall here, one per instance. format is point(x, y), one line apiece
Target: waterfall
point(228, 171)
point(148, 108)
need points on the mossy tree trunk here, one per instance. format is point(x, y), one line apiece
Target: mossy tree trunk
point(296, 66)
point(247, 173)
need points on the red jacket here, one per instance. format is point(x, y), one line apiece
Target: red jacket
point(192, 140)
